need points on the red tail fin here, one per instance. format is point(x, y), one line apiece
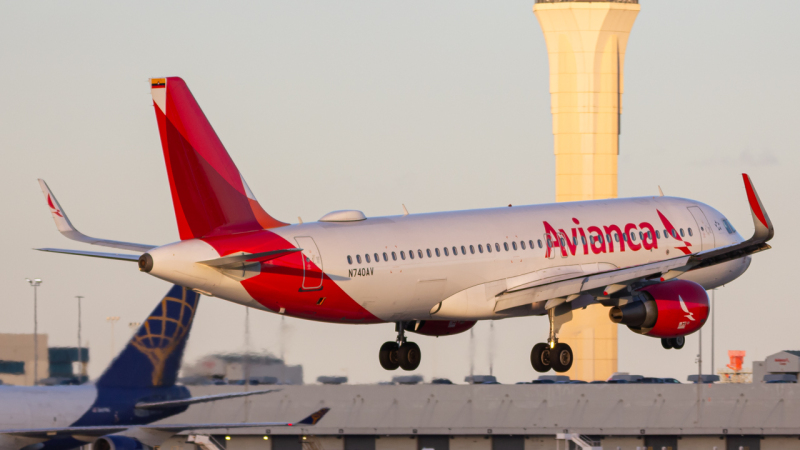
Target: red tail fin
point(209, 194)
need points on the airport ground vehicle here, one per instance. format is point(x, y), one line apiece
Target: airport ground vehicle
point(648, 259)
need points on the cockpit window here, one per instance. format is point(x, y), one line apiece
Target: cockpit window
point(728, 226)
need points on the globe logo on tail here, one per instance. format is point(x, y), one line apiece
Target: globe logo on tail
point(164, 331)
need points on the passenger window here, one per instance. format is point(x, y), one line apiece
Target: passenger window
point(480, 248)
point(514, 245)
point(394, 256)
point(690, 232)
point(358, 259)
point(658, 235)
point(608, 238)
point(428, 251)
point(505, 245)
point(574, 240)
point(625, 237)
point(455, 251)
point(563, 242)
point(583, 240)
point(366, 258)
point(472, 249)
point(522, 244)
point(385, 258)
point(446, 252)
point(464, 250)
point(402, 255)
point(674, 233)
point(616, 237)
point(419, 252)
point(349, 259)
point(497, 246)
point(641, 236)
point(377, 258)
point(489, 248)
point(437, 252)
point(682, 233)
point(600, 238)
point(410, 254)
point(633, 236)
point(539, 241)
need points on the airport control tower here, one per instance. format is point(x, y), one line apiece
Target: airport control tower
point(586, 43)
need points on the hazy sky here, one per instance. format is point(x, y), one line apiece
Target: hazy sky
point(367, 105)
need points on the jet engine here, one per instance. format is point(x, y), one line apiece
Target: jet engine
point(439, 327)
point(116, 442)
point(665, 310)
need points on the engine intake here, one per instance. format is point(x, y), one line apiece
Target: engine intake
point(665, 310)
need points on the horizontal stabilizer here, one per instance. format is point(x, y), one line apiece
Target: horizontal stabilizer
point(243, 258)
point(65, 226)
point(194, 400)
point(117, 256)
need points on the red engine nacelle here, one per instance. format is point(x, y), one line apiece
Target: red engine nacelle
point(439, 327)
point(665, 310)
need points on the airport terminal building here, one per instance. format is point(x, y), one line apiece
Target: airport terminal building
point(755, 416)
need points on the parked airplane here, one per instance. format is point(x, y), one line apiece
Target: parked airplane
point(648, 259)
point(116, 413)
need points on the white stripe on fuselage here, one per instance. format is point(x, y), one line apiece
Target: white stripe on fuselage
point(394, 290)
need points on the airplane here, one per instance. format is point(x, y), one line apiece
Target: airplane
point(117, 412)
point(649, 260)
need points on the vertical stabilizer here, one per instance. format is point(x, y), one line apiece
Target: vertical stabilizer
point(153, 355)
point(209, 194)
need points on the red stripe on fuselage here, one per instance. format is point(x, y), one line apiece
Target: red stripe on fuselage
point(278, 285)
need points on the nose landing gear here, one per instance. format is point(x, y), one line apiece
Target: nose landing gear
point(400, 353)
point(552, 355)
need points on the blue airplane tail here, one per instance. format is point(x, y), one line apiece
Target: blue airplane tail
point(153, 356)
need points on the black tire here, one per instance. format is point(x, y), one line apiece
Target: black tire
point(410, 356)
point(561, 358)
point(678, 342)
point(666, 343)
point(540, 357)
point(389, 356)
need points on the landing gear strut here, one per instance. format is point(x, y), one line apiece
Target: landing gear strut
point(677, 342)
point(399, 353)
point(553, 354)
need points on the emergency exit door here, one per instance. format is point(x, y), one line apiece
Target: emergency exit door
point(312, 263)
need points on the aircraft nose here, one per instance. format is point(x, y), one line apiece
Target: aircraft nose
point(146, 263)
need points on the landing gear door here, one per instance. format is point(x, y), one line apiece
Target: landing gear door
point(312, 264)
point(703, 228)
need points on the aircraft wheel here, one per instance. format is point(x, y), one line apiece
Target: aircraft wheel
point(389, 356)
point(666, 343)
point(678, 342)
point(540, 357)
point(409, 356)
point(561, 358)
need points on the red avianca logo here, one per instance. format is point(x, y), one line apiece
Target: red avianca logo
point(609, 238)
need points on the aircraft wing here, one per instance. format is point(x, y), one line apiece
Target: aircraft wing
point(606, 283)
point(310, 420)
point(66, 228)
point(203, 399)
point(97, 431)
point(117, 256)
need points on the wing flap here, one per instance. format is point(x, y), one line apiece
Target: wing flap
point(66, 228)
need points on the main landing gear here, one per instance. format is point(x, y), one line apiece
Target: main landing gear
point(552, 355)
point(400, 353)
point(677, 342)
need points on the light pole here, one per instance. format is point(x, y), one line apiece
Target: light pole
point(36, 282)
point(80, 349)
point(713, 309)
point(112, 320)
